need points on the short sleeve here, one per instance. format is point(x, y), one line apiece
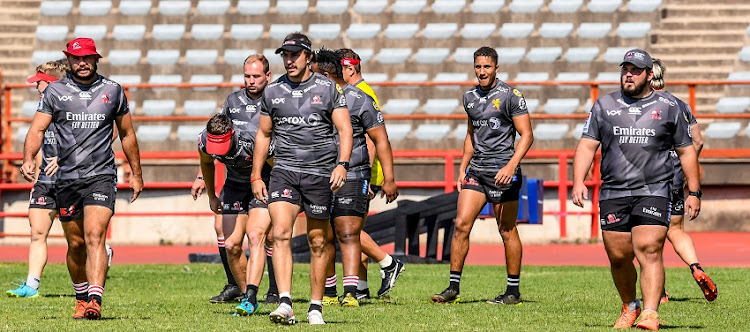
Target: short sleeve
point(223, 109)
point(681, 136)
point(46, 103)
point(517, 104)
point(263, 108)
point(202, 141)
point(371, 115)
point(123, 107)
point(591, 126)
point(688, 112)
point(337, 98)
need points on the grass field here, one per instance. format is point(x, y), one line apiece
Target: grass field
point(571, 298)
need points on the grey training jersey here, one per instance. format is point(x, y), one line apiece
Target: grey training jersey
point(302, 124)
point(491, 113)
point(243, 110)
point(636, 136)
point(239, 160)
point(365, 114)
point(84, 117)
point(678, 181)
point(49, 150)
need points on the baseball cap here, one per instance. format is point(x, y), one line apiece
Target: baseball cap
point(40, 76)
point(294, 45)
point(638, 58)
point(81, 47)
point(219, 144)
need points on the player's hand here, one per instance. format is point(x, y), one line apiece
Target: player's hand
point(259, 191)
point(390, 191)
point(460, 180)
point(214, 204)
point(504, 175)
point(199, 185)
point(28, 170)
point(136, 183)
point(338, 178)
point(370, 193)
point(692, 206)
point(580, 192)
point(52, 166)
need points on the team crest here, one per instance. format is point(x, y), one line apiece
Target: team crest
point(496, 103)
point(517, 93)
point(316, 100)
point(656, 115)
point(41, 201)
point(105, 99)
point(286, 193)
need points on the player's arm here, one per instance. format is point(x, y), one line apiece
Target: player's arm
point(695, 132)
point(199, 185)
point(582, 160)
point(467, 154)
point(372, 151)
point(130, 148)
point(342, 121)
point(689, 161)
point(523, 127)
point(33, 143)
point(383, 147)
point(260, 153)
point(209, 172)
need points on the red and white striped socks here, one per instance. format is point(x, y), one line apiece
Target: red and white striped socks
point(82, 290)
point(95, 293)
point(350, 284)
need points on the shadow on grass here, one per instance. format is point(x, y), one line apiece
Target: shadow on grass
point(664, 326)
point(58, 295)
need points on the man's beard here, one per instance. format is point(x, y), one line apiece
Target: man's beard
point(92, 73)
point(637, 90)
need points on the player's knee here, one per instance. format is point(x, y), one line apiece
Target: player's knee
point(348, 239)
point(462, 228)
point(256, 239)
point(38, 235)
point(232, 247)
point(317, 243)
point(620, 259)
point(76, 244)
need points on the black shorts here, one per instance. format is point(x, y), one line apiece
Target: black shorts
point(311, 192)
point(351, 199)
point(677, 199)
point(484, 182)
point(238, 198)
point(622, 214)
point(73, 195)
point(43, 196)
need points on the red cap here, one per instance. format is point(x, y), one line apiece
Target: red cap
point(219, 144)
point(40, 76)
point(81, 47)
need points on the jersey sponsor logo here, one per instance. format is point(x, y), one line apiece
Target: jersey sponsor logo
point(517, 93)
point(495, 193)
point(365, 186)
point(105, 99)
point(49, 137)
point(648, 104)
point(586, 124)
point(251, 108)
point(100, 197)
point(108, 82)
point(70, 116)
point(309, 88)
point(502, 89)
point(652, 211)
point(239, 122)
point(233, 110)
point(65, 98)
point(275, 194)
point(613, 112)
point(316, 100)
point(277, 101)
point(667, 101)
point(656, 114)
point(84, 95)
point(493, 123)
point(322, 82)
point(355, 94)
point(318, 209)
point(345, 200)
point(634, 110)
point(636, 55)
point(632, 135)
point(296, 94)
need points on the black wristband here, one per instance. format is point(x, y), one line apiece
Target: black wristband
point(698, 193)
point(345, 164)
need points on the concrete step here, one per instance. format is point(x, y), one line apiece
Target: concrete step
point(706, 10)
point(20, 26)
point(702, 36)
point(704, 23)
point(694, 48)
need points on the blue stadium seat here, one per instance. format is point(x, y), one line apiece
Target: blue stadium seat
point(375, 77)
point(153, 133)
point(201, 57)
point(590, 30)
point(94, 8)
point(477, 30)
point(370, 6)
point(208, 78)
point(440, 106)
point(604, 6)
point(393, 55)
point(561, 105)
point(516, 30)
point(168, 31)
point(95, 32)
point(189, 133)
point(324, 31)
point(744, 54)
point(213, 7)
point(633, 29)
point(723, 130)
point(432, 55)
point(207, 31)
point(126, 79)
point(643, 6)
point(199, 107)
point(431, 131)
point(29, 107)
point(40, 57)
point(581, 54)
point(134, 7)
point(253, 7)
point(396, 131)
point(279, 31)
point(237, 56)
point(133, 32)
point(531, 77)
point(174, 7)
point(486, 6)
point(162, 57)
point(448, 6)
point(56, 8)
point(362, 31)
point(614, 54)
point(51, 32)
point(733, 104)
point(401, 31)
point(158, 107)
point(507, 55)
point(555, 30)
point(460, 132)
point(544, 54)
point(400, 106)
point(246, 31)
point(551, 131)
point(365, 54)
point(565, 6)
point(292, 7)
point(165, 79)
point(124, 57)
point(525, 6)
point(439, 30)
point(578, 131)
point(572, 77)
point(332, 7)
point(408, 6)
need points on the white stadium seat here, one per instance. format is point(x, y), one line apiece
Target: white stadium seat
point(451, 77)
point(203, 79)
point(723, 130)
point(40, 57)
point(531, 77)
point(507, 55)
point(362, 31)
point(578, 131)
point(739, 76)
point(431, 131)
point(615, 54)
point(168, 31)
point(464, 55)
point(365, 54)
point(207, 31)
point(565, 6)
point(581, 54)
point(237, 56)
point(532, 104)
point(572, 77)
point(544, 54)
point(448, 6)
point(440, 106)
point(174, 7)
point(332, 7)
point(525, 6)
point(503, 76)
point(608, 77)
point(213, 7)
point(21, 132)
point(292, 7)
point(253, 7)
point(400, 106)
point(273, 58)
point(375, 77)
point(555, 30)
point(159, 107)
point(165, 79)
point(95, 32)
point(439, 30)
point(396, 131)
point(408, 6)
point(370, 6)
point(153, 133)
point(201, 57)
point(29, 107)
point(477, 30)
point(432, 55)
point(733, 104)
point(744, 54)
point(237, 79)
point(189, 133)
point(594, 30)
point(633, 29)
point(162, 57)
point(51, 32)
point(516, 30)
point(126, 79)
point(124, 57)
point(94, 8)
point(561, 105)
point(199, 107)
point(401, 31)
point(643, 6)
point(246, 31)
point(410, 77)
point(129, 32)
point(460, 131)
point(393, 55)
point(604, 6)
point(56, 8)
point(486, 6)
point(279, 31)
point(551, 131)
point(324, 31)
point(134, 7)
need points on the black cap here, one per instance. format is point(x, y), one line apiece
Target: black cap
point(294, 45)
point(638, 58)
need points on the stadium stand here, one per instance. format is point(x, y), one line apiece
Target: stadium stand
point(465, 55)
point(439, 30)
point(543, 54)
point(370, 6)
point(279, 31)
point(643, 6)
point(396, 131)
point(460, 132)
point(565, 6)
point(581, 54)
point(477, 30)
point(253, 7)
point(550, 131)
point(393, 55)
point(124, 57)
point(733, 104)
point(486, 6)
point(94, 8)
point(362, 31)
point(173, 7)
point(206, 79)
point(532, 104)
point(505, 55)
point(158, 107)
point(162, 57)
point(153, 133)
point(593, 30)
point(401, 31)
point(604, 6)
point(134, 7)
point(29, 108)
point(516, 30)
point(207, 31)
point(448, 6)
point(201, 57)
point(525, 6)
point(40, 57)
point(332, 7)
point(400, 106)
point(633, 29)
point(246, 31)
point(56, 8)
point(440, 106)
point(168, 31)
point(561, 105)
point(95, 32)
point(189, 133)
point(132, 32)
point(51, 32)
point(236, 56)
point(292, 7)
point(555, 30)
point(199, 107)
point(365, 54)
point(723, 130)
point(324, 31)
point(408, 6)
point(432, 55)
point(213, 7)
point(431, 131)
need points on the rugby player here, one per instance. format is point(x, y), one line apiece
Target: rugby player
point(351, 203)
point(301, 109)
point(83, 107)
point(490, 171)
point(636, 128)
point(681, 241)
